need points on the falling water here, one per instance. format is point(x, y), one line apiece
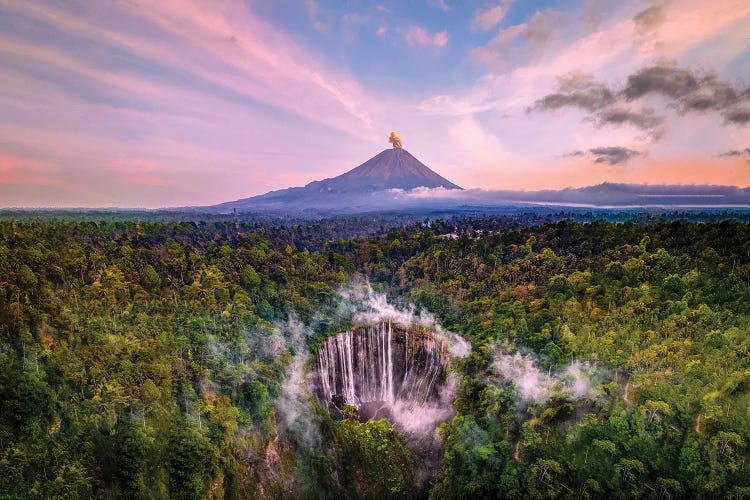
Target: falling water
point(383, 363)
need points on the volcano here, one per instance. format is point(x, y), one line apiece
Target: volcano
point(391, 169)
point(374, 180)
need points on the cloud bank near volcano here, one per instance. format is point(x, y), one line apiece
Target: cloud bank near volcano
point(603, 195)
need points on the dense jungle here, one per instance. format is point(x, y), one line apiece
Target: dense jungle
point(178, 359)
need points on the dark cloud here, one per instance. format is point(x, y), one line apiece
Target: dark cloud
point(711, 95)
point(737, 153)
point(582, 91)
point(737, 116)
point(734, 152)
point(577, 90)
point(667, 80)
point(644, 119)
point(590, 99)
point(613, 155)
point(692, 92)
point(686, 92)
point(649, 19)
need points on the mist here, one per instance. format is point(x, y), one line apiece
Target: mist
point(357, 304)
point(361, 306)
point(364, 306)
point(294, 404)
point(421, 421)
point(578, 380)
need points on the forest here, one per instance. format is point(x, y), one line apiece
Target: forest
point(167, 359)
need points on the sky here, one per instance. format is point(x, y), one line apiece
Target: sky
point(135, 103)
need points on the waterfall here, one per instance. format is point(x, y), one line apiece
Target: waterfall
point(384, 363)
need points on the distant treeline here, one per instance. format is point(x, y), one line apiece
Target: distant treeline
point(313, 230)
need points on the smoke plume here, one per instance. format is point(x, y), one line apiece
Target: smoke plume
point(395, 140)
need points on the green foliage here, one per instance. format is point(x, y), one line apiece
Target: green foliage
point(372, 459)
point(349, 412)
point(27, 278)
point(250, 278)
point(560, 286)
point(150, 278)
point(653, 304)
point(107, 330)
point(138, 360)
point(472, 462)
point(192, 461)
point(123, 457)
point(257, 399)
point(27, 404)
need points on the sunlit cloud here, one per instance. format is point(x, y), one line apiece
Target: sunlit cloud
point(269, 68)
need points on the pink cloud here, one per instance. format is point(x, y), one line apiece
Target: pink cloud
point(439, 4)
point(266, 66)
point(489, 18)
point(15, 170)
point(183, 144)
point(313, 10)
point(419, 36)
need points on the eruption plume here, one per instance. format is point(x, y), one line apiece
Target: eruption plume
point(395, 140)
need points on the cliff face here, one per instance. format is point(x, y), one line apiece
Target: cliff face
point(380, 366)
